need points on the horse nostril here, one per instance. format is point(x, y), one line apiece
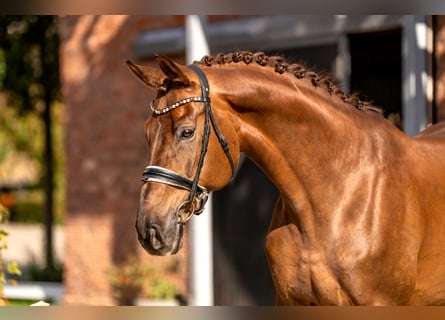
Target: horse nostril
point(155, 237)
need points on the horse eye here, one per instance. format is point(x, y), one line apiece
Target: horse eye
point(187, 133)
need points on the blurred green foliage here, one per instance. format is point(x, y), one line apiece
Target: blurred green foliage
point(133, 279)
point(29, 60)
point(12, 268)
point(30, 83)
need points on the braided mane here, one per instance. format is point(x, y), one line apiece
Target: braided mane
point(299, 71)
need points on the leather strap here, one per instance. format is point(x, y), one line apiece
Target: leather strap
point(162, 175)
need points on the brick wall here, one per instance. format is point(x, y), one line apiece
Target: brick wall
point(439, 57)
point(105, 109)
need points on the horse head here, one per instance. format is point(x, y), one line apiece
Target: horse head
point(187, 160)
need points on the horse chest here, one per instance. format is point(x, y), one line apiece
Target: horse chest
point(314, 275)
point(299, 280)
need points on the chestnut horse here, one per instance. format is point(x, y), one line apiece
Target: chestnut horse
point(361, 215)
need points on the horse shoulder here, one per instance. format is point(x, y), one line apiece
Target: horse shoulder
point(288, 261)
point(300, 274)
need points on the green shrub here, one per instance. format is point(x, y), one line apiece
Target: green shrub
point(12, 268)
point(134, 279)
point(162, 288)
point(38, 273)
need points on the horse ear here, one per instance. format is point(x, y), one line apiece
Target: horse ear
point(152, 77)
point(173, 70)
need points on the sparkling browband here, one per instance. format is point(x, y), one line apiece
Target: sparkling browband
point(179, 103)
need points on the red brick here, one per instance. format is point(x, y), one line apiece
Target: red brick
point(105, 110)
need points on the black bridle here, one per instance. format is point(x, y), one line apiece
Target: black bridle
point(198, 194)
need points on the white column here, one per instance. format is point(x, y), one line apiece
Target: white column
point(416, 76)
point(201, 241)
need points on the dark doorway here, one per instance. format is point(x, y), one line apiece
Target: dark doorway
point(376, 70)
point(241, 215)
point(320, 58)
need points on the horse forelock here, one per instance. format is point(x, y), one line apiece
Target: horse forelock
point(300, 71)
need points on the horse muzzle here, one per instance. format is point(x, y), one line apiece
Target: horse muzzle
point(158, 241)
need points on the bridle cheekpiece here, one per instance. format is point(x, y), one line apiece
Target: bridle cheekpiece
point(198, 194)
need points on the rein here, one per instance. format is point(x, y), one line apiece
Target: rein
point(198, 194)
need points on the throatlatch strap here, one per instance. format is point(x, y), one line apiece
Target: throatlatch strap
point(205, 92)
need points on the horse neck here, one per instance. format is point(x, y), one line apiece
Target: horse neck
point(296, 139)
point(300, 136)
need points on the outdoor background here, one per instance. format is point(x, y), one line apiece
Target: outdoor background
point(72, 146)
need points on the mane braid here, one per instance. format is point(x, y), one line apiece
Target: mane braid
point(299, 71)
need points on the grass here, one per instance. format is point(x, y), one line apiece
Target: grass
point(21, 302)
